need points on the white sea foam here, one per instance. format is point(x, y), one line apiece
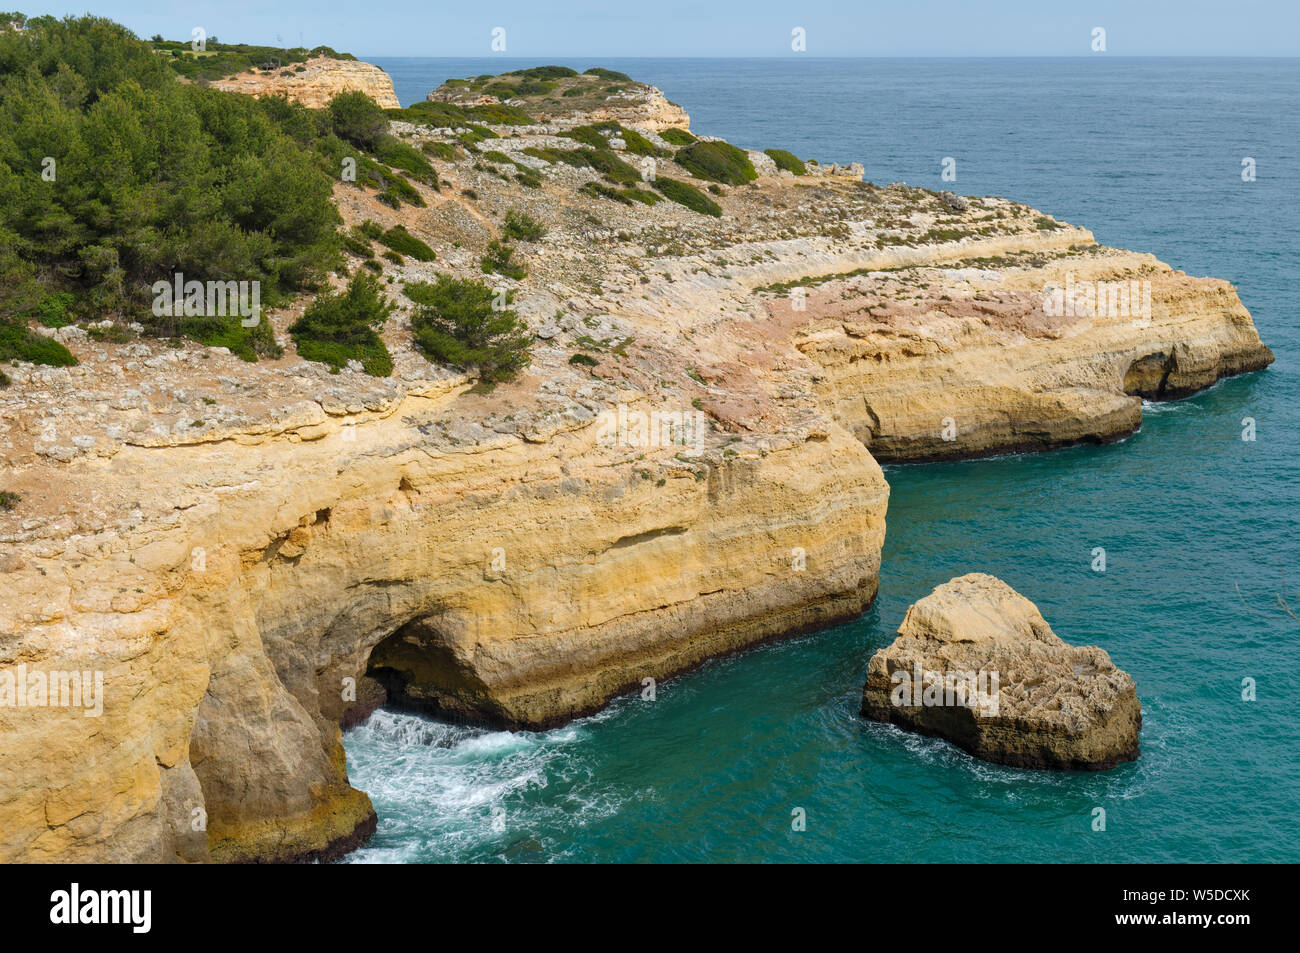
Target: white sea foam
point(447, 792)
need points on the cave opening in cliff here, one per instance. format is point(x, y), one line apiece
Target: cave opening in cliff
point(417, 669)
point(1148, 376)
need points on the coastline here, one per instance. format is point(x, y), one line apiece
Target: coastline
point(339, 542)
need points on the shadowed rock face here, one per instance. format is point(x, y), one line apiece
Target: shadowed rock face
point(976, 664)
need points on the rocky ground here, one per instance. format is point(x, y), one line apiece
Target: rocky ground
point(232, 543)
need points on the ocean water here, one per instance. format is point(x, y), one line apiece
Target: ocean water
point(1202, 583)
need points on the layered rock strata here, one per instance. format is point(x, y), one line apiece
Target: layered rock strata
point(315, 82)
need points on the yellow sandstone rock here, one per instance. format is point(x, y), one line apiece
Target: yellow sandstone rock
point(322, 79)
point(976, 663)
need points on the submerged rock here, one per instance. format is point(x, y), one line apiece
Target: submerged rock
point(975, 663)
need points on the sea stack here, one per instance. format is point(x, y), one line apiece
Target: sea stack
point(976, 664)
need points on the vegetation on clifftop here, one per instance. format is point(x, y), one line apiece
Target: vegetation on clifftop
point(218, 60)
point(337, 328)
point(677, 137)
point(468, 324)
point(689, 196)
point(717, 161)
point(787, 161)
point(114, 176)
point(542, 88)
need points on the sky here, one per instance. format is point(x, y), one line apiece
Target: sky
point(710, 28)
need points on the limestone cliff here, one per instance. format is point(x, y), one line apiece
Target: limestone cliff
point(952, 359)
point(247, 552)
point(315, 82)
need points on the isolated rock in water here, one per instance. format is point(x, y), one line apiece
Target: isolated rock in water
point(975, 663)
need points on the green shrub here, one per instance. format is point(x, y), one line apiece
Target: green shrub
point(689, 196)
point(520, 226)
point(544, 72)
point(9, 500)
point(638, 144)
point(441, 150)
point(597, 137)
point(528, 178)
point(404, 156)
point(53, 309)
point(337, 328)
point(461, 323)
point(20, 343)
point(569, 157)
point(787, 161)
point(452, 116)
point(403, 242)
point(611, 167)
point(357, 246)
point(717, 161)
point(600, 190)
point(112, 334)
point(498, 261)
point(624, 196)
point(358, 119)
point(397, 190)
point(247, 344)
point(584, 359)
point(641, 195)
point(677, 137)
point(601, 73)
point(588, 136)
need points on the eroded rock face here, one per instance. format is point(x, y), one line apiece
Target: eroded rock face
point(956, 360)
point(321, 79)
point(265, 569)
point(975, 663)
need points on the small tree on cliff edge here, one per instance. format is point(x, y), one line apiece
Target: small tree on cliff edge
point(466, 324)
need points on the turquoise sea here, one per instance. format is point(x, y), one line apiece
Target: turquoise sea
point(1202, 584)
